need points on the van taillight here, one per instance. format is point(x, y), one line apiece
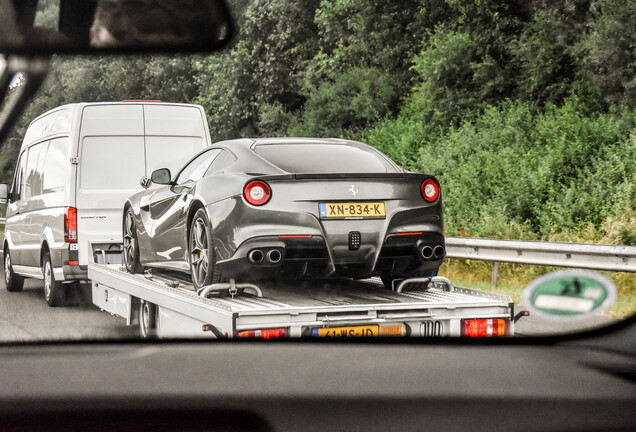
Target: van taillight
point(70, 225)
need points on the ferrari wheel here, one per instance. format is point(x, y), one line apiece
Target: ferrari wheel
point(202, 258)
point(131, 245)
point(12, 281)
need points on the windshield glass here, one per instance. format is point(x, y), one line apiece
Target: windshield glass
point(514, 123)
point(321, 158)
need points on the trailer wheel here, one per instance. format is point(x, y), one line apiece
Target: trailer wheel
point(54, 293)
point(131, 244)
point(12, 281)
point(147, 320)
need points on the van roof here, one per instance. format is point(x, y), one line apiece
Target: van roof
point(77, 105)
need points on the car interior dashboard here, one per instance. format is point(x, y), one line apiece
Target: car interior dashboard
point(585, 382)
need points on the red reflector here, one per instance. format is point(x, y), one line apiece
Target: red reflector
point(73, 263)
point(484, 327)
point(429, 190)
point(265, 333)
point(70, 225)
point(257, 192)
point(409, 233)
point(295, 236)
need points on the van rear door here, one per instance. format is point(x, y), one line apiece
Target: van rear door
point(119, 144)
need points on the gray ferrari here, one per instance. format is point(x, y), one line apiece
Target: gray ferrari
point(288, 208)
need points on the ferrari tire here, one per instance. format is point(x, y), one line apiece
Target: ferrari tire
point(54, 292)
point(12, 281)
point(131, 244)
point(201, 252)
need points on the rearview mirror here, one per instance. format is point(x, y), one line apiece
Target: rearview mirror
point(101, 26)
point(161, 176)
point(4, 193)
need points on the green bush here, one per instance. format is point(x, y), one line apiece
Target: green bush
point(517, 171)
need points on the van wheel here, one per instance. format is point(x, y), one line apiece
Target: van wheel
point(147, 320)
point(12, 281)
point(54, 293)
point(202, 259)
point(131, 244)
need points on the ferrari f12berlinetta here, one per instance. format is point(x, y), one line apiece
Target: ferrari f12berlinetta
point(254, 209)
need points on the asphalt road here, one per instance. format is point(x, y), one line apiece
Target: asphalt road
point(25, 316)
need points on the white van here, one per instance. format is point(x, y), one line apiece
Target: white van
point(77, 165)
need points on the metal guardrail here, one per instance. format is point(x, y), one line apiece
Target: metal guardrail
point(2, 221)
point(584, 256)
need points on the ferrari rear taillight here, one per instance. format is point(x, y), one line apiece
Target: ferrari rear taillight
point(70, 225)
point(257, 192)
point(429, 190)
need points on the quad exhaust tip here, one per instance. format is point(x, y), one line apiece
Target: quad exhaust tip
point(274, 256)
point(256, 256)
point(438, 251)
point(427, 252)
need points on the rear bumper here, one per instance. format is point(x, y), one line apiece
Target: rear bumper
point(63, 269)
point(310, 256)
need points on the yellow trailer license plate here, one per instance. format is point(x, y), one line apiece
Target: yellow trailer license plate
point(355, 210)
point(346, 331)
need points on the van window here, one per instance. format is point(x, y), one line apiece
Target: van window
point(33, 176)
point(112, 163)
point(171, 152)
point(57, 161)
point(16, 188)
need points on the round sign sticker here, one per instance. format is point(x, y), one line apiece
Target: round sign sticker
point(567, 294)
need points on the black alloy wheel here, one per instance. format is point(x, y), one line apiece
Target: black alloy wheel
point(201, 246)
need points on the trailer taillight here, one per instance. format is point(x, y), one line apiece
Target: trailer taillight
point(484, 327)
point(70, 225)
point(264, 333)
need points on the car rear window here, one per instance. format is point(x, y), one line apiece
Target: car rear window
point(321, 158)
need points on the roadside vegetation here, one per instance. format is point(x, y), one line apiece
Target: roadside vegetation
point(524, 110)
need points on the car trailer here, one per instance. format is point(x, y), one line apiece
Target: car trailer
point(165, 305)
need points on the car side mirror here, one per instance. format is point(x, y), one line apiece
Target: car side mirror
point(161, 176)
point(4, 193)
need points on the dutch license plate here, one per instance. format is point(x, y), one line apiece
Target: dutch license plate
point(346, 331)
point(357, 210)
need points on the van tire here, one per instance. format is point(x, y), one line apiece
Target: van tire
point(12, 281)
point(131, 243)
point(54, 292)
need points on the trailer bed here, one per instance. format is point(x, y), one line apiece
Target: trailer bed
point(300, 308)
